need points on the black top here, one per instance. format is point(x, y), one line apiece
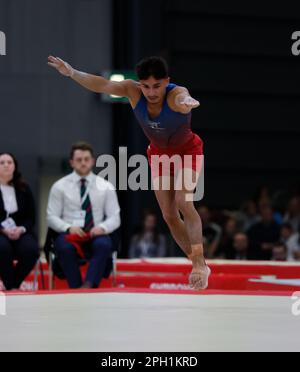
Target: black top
point(25, 216)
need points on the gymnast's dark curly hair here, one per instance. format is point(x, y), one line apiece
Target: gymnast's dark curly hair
point(156, 67)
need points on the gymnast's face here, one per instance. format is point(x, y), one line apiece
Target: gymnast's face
point(154, 90)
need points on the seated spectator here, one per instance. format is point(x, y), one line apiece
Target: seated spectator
point(226, 249)
point(83, 210)
point(291, 240)
point(263, 235)
point(264, 197)
point(17, 219)
point(249, 215)
point(148, 243)
point(241, 247)
point(277, 216)
point(211, 232)
point(292, 215)
point(279, 252)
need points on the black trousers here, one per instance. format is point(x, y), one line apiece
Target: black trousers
point(25, 251)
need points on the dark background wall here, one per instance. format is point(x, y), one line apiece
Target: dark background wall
point(41, 113)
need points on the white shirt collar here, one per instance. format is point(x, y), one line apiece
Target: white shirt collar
point(78, 178)
point(6, 187)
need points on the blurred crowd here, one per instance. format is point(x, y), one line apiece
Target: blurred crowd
point(257, 231)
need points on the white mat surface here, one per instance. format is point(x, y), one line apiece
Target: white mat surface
point(149, 323)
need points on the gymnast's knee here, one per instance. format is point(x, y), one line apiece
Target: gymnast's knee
point(185, 207)
point(171, 217)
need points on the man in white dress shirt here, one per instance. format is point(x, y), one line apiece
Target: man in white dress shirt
point(83, 203)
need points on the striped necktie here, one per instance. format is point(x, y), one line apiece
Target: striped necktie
point(86, 206)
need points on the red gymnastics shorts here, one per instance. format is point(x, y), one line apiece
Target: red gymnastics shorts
point(190, 157)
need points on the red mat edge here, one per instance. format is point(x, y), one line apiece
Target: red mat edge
point(153, 291)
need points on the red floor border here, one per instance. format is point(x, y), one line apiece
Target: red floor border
point(156, 291)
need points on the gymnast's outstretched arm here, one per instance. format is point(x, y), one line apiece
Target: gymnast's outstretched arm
point(181, 101)
point(93, 83)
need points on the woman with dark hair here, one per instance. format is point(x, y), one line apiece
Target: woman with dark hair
point(17, 219)
point(148, 242)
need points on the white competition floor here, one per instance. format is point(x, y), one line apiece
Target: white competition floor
point(107, 322)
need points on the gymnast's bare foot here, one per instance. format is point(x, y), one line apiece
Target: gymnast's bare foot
point(199, 277)
point(200, 274)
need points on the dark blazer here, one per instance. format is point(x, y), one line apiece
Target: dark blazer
point(26, 213)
